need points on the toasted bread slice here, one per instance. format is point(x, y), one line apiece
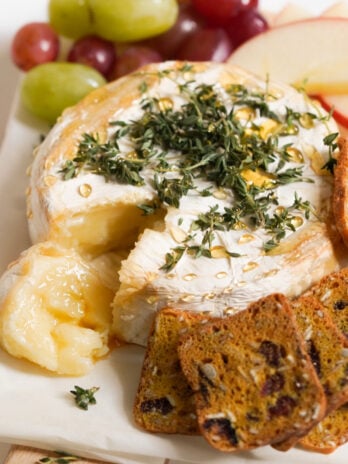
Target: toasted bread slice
point(328, 350)
point(330, 433)
point(332, 292)
point(253, 380)
point(164, 401)
point(340, 192)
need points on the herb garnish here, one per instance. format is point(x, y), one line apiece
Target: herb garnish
point(215, 146)
point(61, 458)
point(331, 141)
point(103, 159)
point(284, 220)
point(84, 397)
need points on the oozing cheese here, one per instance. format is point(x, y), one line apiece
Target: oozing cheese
point(55, 309)
point(93, 215)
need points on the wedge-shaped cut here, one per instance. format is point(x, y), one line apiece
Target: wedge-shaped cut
point(55, 310)
point(86, 212)
point(305, 53)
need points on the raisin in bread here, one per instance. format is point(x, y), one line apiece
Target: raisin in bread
point(164, 401)
point(332, 292)
point(254, 383)
point(327, 348)
point(330, 433)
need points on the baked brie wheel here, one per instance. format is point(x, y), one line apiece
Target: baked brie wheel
point(215, 185)
point(215, 181)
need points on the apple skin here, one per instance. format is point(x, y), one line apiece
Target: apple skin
point(310, 54)
point(338, 104)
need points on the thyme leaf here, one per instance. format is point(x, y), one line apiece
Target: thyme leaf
point(148, 209)
point(331, 142)
point(84, 397)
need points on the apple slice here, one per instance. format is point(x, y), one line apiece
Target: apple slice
point(337, 10)
point(269, 16)
point(289, 13)
point(338, 104)
point(310, 53)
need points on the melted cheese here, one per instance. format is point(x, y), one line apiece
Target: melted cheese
point(55, 308)
point(93, 215)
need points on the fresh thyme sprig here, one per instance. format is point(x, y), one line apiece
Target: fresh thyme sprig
point(84, 396)
point(103, 159)
point(285, 220)
point(170, 191)
point(60, 458)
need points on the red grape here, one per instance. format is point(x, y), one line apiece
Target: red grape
point(244, 26)
point(168, 43)
point(207, 44)
point(34, 44)
point(132, 58)
point(219, 12)
point(95, 52)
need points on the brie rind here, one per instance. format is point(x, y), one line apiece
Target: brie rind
point(88, 213)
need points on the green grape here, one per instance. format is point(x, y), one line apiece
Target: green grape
point(129, 20)
point(71, 18)
point(49, 88)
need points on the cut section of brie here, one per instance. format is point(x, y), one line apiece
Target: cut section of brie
point(55, 309)
point(92, 214)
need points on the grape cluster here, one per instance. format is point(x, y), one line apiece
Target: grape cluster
point(115, 37)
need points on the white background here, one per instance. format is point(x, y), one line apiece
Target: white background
point(14, 13)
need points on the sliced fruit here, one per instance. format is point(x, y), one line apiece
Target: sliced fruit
point(309, 54)
point(337, 10)
point(289, 13)
point(338, 104)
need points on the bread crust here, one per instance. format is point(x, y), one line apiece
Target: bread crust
point(242, 371)
point(340, 191)
point(331, 433)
